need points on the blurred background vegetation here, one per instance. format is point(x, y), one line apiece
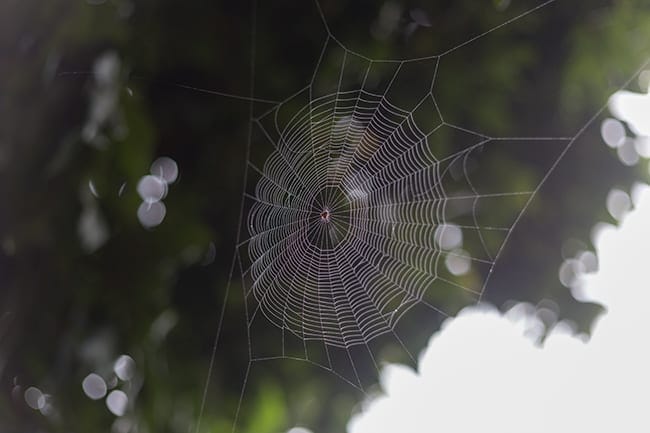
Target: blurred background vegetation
point(92, 92)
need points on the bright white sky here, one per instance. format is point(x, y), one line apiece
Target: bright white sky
point(481, 374)
point(484, 373)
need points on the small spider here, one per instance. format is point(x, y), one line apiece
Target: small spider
point(325, 216)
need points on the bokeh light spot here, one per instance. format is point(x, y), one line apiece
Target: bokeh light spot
point(589, 261)
point(124, 367)
point(618, 203)
point(151, 214)
point(151, 189)
point(94, 386)
point(448, 236)
point(34, 398)
point(627, 153)
point(299, 430)
point(642, 146)
point(117, 402)
point(165, 168)
point(569, 272)
point(613, 132)
point(632, 108)
point(458, 262)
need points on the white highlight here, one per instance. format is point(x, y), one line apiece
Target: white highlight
point(299, 430)
point(627, 152)
point(482, 364)
point(458, 262)
point(94, 386)
point(633, 108)
point(152, 188)
point(34, 398)
point(642, 146)
point(117, 402)
point(124, 367)
point(165, 168)
point(151, 214)
point(449, 236)
point(618, 203)
point(613, 132)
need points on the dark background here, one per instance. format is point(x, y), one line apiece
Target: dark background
point(69, 308)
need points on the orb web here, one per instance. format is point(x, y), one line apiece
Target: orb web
point(335, 255)
point(362, 202)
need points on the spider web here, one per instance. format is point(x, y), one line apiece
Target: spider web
point(362, 202)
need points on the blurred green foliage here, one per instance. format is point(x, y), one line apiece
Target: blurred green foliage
point(68, 308)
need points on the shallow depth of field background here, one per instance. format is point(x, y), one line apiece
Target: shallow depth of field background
point(121, 183)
